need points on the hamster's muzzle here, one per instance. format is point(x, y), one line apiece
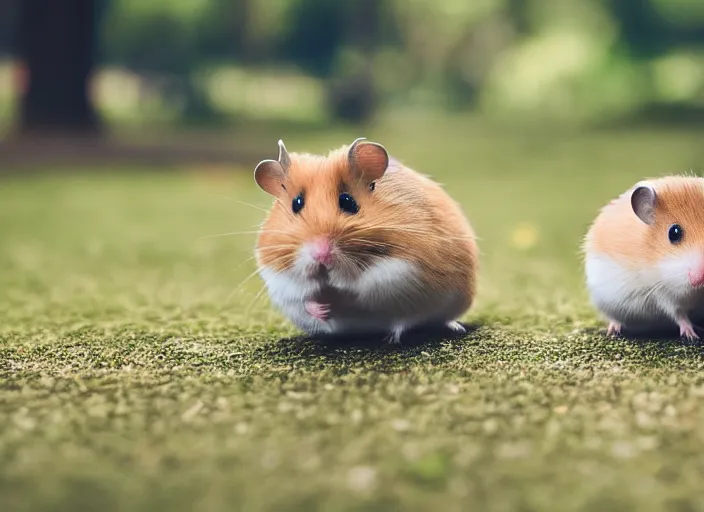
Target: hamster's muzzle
point(696, 277)
point(321, 251)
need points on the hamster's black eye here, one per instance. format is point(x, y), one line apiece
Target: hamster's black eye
point(298, 203)
point(348, 204)
point(675, 234)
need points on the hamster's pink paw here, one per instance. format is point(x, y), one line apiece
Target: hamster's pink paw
point(317, 310)
point(614, 329)
point(687, 330)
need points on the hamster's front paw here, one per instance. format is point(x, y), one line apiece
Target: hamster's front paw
point(317, 310)
point(614, 329)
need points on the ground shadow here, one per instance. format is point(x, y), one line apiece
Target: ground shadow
point(663, 341)
point(413, 342)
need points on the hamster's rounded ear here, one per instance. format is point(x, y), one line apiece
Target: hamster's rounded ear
point(271, 174)
point(369, 159)
point(643, 201)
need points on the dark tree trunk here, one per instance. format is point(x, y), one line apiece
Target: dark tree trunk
point(353, 95)
point(56, 42)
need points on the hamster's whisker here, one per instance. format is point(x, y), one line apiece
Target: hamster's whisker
point(279, 253)
point(373, 243)
point(233, 233)
point(283, 253)
point(392, 227)
point(277, 231)
point(378, 227)
point(277, 246)
point(251, 275)
point(256, 207)
point(239, 286)
point(368, 248)
point(378, 243)
point(356, 262)
point(243, 262)
point(256, 297)
point(252, 232)
point(232, 293)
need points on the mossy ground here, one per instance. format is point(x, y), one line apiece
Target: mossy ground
point(137, 373)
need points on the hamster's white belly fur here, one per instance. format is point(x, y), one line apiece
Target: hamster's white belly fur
point(388, 296)
point(639, 299)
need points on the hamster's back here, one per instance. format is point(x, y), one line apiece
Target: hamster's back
point(431, 224)
point(617, 232)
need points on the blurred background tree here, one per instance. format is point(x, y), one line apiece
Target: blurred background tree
point(56, 43)
point(208, 61)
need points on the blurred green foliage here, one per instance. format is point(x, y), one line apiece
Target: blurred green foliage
point(578, 60)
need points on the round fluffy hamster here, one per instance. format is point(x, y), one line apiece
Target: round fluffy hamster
point(358, 243)
point(645, 257)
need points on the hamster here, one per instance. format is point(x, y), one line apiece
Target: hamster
point(644, 257)
point(357, 243)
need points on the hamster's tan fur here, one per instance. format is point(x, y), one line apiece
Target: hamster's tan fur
point(403, 216)
point(618, 232)
point(644, 257)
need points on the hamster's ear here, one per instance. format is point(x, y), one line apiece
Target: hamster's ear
point(368, 159)
point(643, 201)
point(271, 174)
point(284, 159)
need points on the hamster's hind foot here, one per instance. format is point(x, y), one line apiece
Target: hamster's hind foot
point(687, 329)
point(394, 338)
point(614, 329)
point(456, 327)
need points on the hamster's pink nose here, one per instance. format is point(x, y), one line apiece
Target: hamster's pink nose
point(696, 278)
point(321, 251)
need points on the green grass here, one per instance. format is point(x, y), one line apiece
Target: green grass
point(136, 374)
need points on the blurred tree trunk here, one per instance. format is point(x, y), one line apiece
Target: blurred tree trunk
point(57, 46)
point(519, 13)
point(352, 93)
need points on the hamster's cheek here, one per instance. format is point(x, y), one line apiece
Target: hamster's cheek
point(287, 287)
point(617, 290)
point(675, 271)
point(388, 278)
